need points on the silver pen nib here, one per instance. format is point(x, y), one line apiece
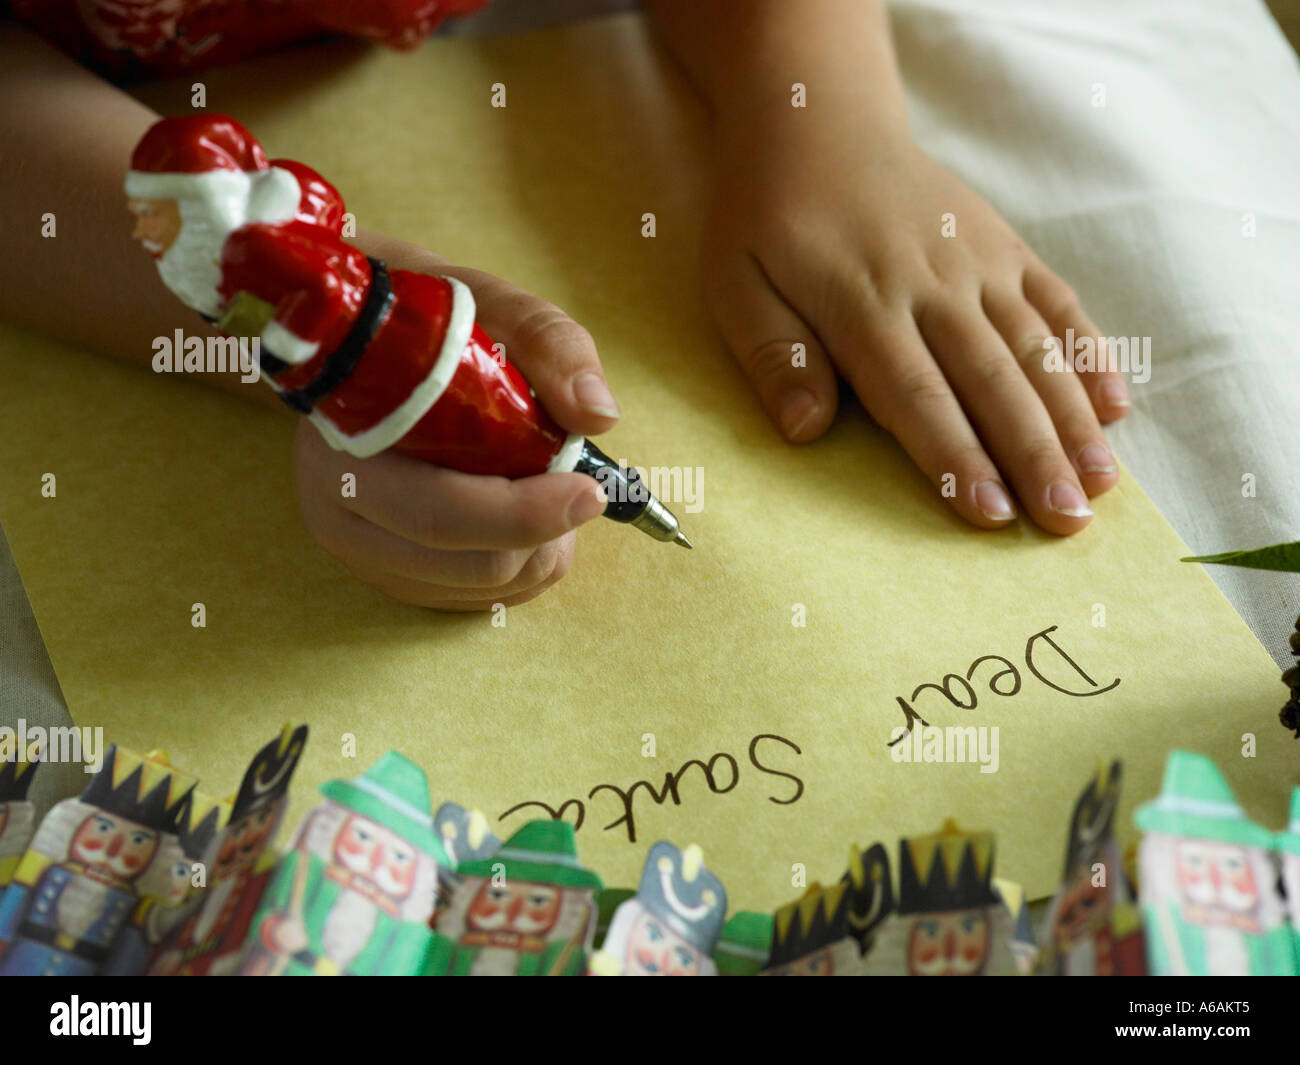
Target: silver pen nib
point(658, 522)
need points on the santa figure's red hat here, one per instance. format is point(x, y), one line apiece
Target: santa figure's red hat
point(212, 161)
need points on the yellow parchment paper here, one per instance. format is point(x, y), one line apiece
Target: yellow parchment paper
point(648, 663)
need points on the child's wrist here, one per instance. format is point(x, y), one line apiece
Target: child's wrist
point(781, 122)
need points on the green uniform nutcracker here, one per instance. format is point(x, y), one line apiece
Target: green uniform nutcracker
point(355, 893)
point(527, 910)
point(1206, 879)
point(1288, 847)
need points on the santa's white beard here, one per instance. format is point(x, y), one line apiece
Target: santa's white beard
point(191, 267)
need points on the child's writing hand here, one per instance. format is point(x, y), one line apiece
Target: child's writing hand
point(453, 541)
point(829, 237)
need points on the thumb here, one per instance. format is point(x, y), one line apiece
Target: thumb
point(775, 347)
point(554, 353)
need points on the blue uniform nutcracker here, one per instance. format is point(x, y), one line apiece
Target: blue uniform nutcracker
point(91, 861)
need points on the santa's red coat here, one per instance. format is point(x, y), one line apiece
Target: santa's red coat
point(485, 419)
point(134, 38)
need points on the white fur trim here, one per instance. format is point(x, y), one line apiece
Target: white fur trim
point(285, 346)
point(230, 197)
point(567, 457)
point(386, 432)
point(274, 197)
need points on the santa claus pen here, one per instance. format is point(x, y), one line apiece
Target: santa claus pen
point(376, 359)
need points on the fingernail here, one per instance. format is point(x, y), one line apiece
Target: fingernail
point(993, 501)
point(587, 505)
point(797, 410)
point(594, 395)
point(1066, 499)
point(1097, 459)
point(1115, 394)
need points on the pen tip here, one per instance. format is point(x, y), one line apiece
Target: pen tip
point(681, 539)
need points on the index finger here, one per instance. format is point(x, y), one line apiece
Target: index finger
point(450, 510)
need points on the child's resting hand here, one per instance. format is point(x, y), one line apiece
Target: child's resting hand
point(453, 541)
point(825, 235)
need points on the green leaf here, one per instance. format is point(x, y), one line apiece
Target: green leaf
point(1284, 557)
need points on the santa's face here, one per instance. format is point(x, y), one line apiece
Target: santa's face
point(519, 907)
point(244, 841)
point(377, 855)
point(113, 848)
point(949, 944)
point(1217, 881)
point(1084, 909)
point(138, 26)
point(157, 224)
point(654, 949)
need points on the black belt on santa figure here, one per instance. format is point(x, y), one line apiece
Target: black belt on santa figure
point(343, 360)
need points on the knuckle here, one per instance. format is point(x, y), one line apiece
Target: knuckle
point(772, 358)
point(966, 461)
point(992, 372)
point(493, 569)
point(1061, 300)
point(563, 563)
point(1044, 456)
point(537, 567)
point(924, 388)
point(1030, 349)
point(546, 327)
point(426, 523)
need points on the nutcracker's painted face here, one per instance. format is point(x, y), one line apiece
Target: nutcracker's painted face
point(1084, 909)
point(376, 854)
point(654, 949)
point(157, 224)
point(1217, 880)
point(178, 884)
point(112, 847)
point(818, 963)
point(518, 907)
point(245, 841)
point(949, 944)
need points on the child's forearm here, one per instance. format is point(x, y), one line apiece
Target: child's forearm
point(70, 269)
point(745, 56)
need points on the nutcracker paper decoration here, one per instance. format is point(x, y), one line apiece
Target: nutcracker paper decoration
point(465, 834)
point(211, 938)
point(17, 815)
point(1023, 943)
point(91, 861)
point(1287, 844)
point(155, 918)
point(827, 931)
point(465, 837)
point(355, 893)
point(1209, 904)
point(608, 900)
point(745, 944)
point(374, 358)
point(949, 920)
point(672, 925)
point(528, 910)
point(1092, 927)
